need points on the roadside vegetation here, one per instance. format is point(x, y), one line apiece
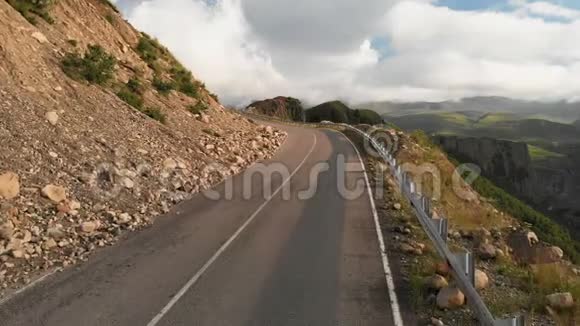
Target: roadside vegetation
point(32, 9)
point(96, 66)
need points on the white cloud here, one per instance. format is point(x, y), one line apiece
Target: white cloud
point(322, 50)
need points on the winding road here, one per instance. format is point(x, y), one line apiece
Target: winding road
point(267, 258)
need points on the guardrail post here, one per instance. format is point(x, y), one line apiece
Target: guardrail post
point(441, 225)
point(467, 263)
point(516, 321)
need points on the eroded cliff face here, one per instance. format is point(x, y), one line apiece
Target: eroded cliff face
point(552, 187)
point(507, 162)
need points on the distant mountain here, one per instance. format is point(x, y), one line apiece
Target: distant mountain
point(577, 123)
point(286, 108)
point(560, 111)
point(496, 125)
point(337, 111)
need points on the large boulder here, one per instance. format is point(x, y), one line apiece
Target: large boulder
point(9, 185)
point(450, 298)
point(481, 279)
point(560, 301)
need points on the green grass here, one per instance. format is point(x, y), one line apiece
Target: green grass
point(539, 154)
point(96, 66)
point(456, 117)
point(197, 108)
point(133, 99)
point(492, 118)
point(31, 9)
point(155, 114)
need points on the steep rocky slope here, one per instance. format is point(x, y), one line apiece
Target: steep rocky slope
point(78, 165)
point(285, 108)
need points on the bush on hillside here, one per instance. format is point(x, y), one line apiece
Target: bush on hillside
point(162, 86)
point(96, 66)
point(197, 108)
point(184, 81)
point(133, 99)
point(30, 9)
point(155, 114)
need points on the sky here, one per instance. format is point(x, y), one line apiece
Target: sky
point(371, 50)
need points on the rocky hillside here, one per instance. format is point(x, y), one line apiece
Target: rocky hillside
point(285, 108)
point(338, 112)
point(102, 129)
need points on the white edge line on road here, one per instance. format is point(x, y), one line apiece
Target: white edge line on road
point(388, 274)
point(223, 248)
point(27, 287)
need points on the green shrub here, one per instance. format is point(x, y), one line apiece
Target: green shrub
point(197, 108)
point(133, 99)
point(214, 96)
point(110, 18)
point(110, 4)
point(155, 113)
point(135, 86)
point(184, 81)
point(162, 86)
point(96, 67)
point(149, 49)
point(29, 9)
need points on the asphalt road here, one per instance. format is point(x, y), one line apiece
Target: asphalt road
point(261, 260)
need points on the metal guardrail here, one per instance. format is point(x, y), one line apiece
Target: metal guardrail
point(462, 264)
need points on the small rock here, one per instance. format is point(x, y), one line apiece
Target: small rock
point(442, 269)
point(6, 231)
point(127, 183)
point(49, 244)
point(397, 206)
point(55, 232)
point(55, 193)
point(39, 37)
point(170, 164)
point(89, 226)
point(9, 185)
point(487, 251)
point(124, 218)
point(556, 252)
point(436, 282)
point(450, 298)
point(436, 322)
point(561, 301)
point(481, 280)
point(52, 117)
point(532, 238)
point(17, 253)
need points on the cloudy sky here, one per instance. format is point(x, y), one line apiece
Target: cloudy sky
point(371, 50)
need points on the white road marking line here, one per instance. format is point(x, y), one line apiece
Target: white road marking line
point(27, 287)
point(388, 274)
point(223, 248)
